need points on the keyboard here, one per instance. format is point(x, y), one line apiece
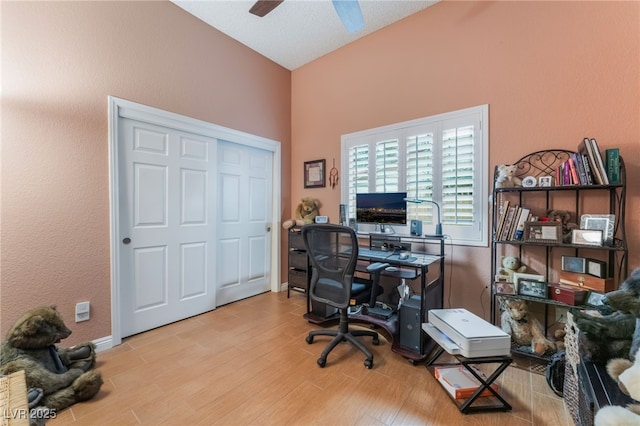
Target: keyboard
point(365, 252)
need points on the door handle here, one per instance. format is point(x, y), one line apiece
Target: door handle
point(126, 240)
point(268, 229)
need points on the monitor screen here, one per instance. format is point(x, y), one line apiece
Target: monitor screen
point(382, 207)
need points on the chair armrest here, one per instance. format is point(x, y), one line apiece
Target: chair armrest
point(377, 267)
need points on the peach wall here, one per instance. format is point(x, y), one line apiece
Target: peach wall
point(552, 73)
point(60, 61)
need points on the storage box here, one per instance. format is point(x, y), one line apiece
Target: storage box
point(569, 294)
point(603, 285)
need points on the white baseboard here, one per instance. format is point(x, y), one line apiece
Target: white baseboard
point(103, 343)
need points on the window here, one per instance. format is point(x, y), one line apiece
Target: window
point(443, 158)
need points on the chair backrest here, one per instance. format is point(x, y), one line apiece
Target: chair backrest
point(333, 253)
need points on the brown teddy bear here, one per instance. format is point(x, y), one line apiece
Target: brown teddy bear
point(524, 328)
point(305, 213)
point(64, 375)
point(564, 217)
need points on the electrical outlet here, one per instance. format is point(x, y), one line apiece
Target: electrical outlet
point(561, 314)
point(83, 311)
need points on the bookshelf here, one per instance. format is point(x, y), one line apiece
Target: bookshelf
point(509, 236)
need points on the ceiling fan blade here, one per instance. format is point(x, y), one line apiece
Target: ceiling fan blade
point(262, 7)
point(350, 14)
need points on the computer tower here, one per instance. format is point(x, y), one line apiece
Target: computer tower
point(409, 323)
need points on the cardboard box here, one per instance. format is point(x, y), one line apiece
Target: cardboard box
point(603, 285)
point(460, 383)
point(569, 294)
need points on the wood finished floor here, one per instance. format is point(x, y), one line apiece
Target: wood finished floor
point(247, 363)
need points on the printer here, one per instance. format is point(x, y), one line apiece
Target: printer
point(459, 331)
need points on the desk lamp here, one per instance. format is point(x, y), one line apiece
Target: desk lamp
point(420, 201)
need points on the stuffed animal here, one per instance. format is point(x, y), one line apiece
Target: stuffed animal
point(65, 376)
point(564, 217)
point(627, 374)
point(604, 333)
point(525, 330)
point(506, 176)
point(627, 300)
point(305, 213)
point(510, 265)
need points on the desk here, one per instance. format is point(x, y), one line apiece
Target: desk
point(417, 265)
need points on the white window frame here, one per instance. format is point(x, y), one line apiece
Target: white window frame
point(474, 234)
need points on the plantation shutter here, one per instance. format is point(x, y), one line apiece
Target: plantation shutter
point(442, 158)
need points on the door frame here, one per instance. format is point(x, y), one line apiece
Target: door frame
point(122, 108)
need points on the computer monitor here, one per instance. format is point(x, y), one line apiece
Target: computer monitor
point(382, 207)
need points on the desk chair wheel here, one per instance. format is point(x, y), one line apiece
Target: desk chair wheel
point(376, 341)
point(309, 339)
point(368, 363)
point(322, 362)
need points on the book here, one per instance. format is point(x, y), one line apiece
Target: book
point(503, 214)
point(460, 383)
point(599, 162)
point(506, 227)
point(575, 180)
point(587, 169)
point(524, 216)
point(612, 157)
point(585, 148)
point(582, 175)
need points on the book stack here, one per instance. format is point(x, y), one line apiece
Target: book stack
point(592, 161)
point(511, 222)
point(459, 382)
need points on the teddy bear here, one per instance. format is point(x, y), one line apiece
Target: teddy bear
point(63, 375)
point(510, 265)
point(305, 213)
point(525, 330)
point(506, 176)
point(627, 374)
point(626, 299)
point(604, 333)
point(564, 217)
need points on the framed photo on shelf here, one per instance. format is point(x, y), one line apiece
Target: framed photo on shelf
point(545, 181)
point(603, 222)
point(314, 174)
point(505, 288)
point(543, 232)
point(574, 264)
point(595, 299)
point(532, 288)
point(519, 276)
point(586, 237)
point(597, 268)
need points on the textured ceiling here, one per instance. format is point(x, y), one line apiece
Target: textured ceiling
point(297, 31)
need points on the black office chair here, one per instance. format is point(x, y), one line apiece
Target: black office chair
point(333, 252)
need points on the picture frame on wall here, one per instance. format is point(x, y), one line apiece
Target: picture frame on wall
point(314, 174)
